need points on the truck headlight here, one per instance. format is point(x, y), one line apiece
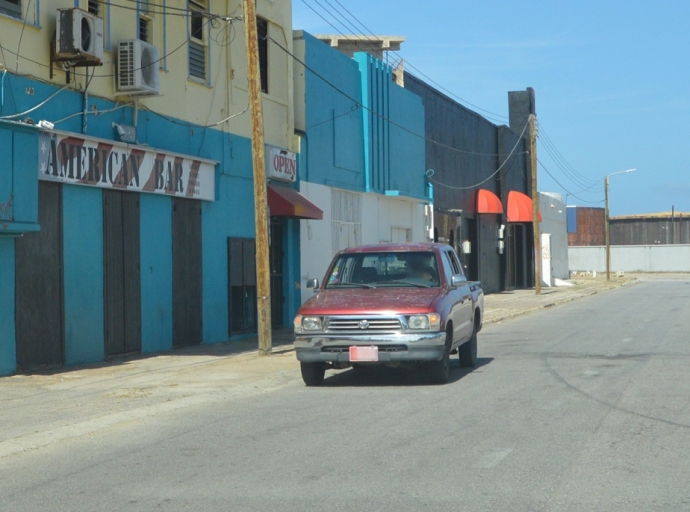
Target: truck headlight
point(307, 323)
point(431, 322)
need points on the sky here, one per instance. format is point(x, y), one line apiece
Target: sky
point(611, 79)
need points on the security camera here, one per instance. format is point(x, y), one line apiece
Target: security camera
point(47, 125)
point(120, 130)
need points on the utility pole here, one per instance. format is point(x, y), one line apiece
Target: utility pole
point(606, 219)
point(263, 277)
point(535, 203)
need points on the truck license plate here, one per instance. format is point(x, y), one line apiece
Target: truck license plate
point(358, 354)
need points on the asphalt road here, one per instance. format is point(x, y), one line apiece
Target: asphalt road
point(580, 407)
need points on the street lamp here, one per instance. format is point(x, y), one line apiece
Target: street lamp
point(606, 214)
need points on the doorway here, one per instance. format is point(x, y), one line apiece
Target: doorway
point(122, 272)
point(242, 285)
point(39, 316)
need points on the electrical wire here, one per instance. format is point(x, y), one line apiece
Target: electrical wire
point(37, 106)
point(94, 112)
point(507, 158)
point(564, 188)
point(458, 98)
point(373, 112)
point(21, 35)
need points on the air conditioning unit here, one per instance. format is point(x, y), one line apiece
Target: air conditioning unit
point(137, 68)
point(79, 36)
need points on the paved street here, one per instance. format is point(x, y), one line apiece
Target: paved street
point(583, 406)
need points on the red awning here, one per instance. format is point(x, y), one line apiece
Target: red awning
point(520, 207)
point(287, 202)
point(488, 202)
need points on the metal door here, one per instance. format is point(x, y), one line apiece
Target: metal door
point(276, 259)
point(242, 285)
point(187, 291)
point(39, 285)
point(121, 272)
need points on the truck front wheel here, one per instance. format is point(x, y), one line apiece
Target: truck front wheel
point(439, 371)
point(467, 353)
point(312, 373)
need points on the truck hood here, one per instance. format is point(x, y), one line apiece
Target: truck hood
point(371, 301)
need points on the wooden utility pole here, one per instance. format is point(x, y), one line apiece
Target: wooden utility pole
point(535, 203)
point(606, 228)
point(263, 276)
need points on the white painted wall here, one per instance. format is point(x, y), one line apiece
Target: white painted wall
point(554, 222)
point(631, 258)
point(383, 219)
point(386, 218)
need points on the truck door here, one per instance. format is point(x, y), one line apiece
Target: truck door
point(463, 317)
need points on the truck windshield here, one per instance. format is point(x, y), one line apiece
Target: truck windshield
point(384, 269)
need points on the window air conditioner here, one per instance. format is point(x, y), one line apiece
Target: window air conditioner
point(79, 36)
point(137, 68)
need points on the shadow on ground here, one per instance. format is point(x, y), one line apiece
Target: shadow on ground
point(282, 341)
point(377, 376)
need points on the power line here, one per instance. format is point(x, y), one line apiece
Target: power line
point(564, 188)
point(499, 116)
point(508, 157)
point(373, 112)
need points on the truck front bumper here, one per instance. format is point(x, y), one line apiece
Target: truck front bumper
point(393, 348)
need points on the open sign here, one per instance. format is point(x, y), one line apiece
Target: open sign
point(281, 164)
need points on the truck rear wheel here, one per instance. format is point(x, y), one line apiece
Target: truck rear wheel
point(312, 373)
point(467, 353)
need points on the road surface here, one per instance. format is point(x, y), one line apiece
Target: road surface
point(581, 407)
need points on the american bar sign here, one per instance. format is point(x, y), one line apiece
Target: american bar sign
point(69, 158)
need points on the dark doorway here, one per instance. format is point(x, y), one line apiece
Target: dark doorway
point(122, 275)
point(509, 249)
point(521, 262)
point(242, 285)
point(472, 260)
point(187, 312)
point(39, 291)
point(277, 255)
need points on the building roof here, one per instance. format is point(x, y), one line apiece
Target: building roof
point(659, 215)
point(374, 45)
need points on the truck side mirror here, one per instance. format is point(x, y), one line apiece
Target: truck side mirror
point(458, 280)
point(313, 283)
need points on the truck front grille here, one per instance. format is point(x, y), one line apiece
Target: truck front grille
point(363, 324)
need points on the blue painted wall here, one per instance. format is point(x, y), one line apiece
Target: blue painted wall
point(18, 179)
point(335, 146)
point(82, 217)
point(8, 352)
point(394, 132)
point(156, 273)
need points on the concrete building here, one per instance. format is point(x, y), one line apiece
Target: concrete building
point(126, 189)
point(362, 154)
point(480, 175)
point(554, 233)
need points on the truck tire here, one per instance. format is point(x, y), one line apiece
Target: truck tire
point(439, 371)
point(312, 373)
point(467, 353)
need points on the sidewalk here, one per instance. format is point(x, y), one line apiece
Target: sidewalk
point(46, 408)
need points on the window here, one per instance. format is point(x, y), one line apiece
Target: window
point(11, 8)
point(197, 41)
point(144, 28)
point(94, 7)
point(262, 32)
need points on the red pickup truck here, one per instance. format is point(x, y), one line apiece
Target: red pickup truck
point(390, 304)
